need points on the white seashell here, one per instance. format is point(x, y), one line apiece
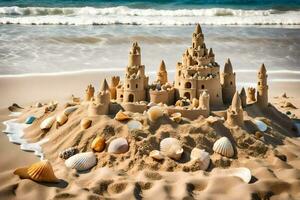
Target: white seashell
point(156, 155)
point(224, 147)
point(151, 104)
point(69, 110)
point(176, 117)
point(61, 118)
point(81, 161)
point(261, 125)
point(134, 125)
point(171, 147)
point(47, 123)
point(241, 172)
point(155, 112)
point(119, 145)
point(202, 156)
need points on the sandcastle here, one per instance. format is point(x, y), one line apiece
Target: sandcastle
point(198, 89)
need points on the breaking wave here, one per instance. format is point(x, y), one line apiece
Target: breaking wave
point(133, 16)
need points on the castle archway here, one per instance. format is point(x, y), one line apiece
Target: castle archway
point(188, 85)
point(130, 98)
point(187, 95)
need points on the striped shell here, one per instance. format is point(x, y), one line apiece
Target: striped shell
point(81, 161)
point(41, 172)
point(67, 153)
point(47, 123)
point(121, 116)
point(98, 144)
point(156, 155)
point(61, 118)
point(69, 110)
point(155, 112)
point(202, 156)
point(119, 145)
point(171, 147)
point(85, 123)
point(224, 147)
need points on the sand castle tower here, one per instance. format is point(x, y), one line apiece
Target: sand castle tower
point(89, 93)
point(235, 112)
point(251, 94)
point(114, 82)
point(243, 97)
point(198, 71)
point(162, 75)
point(228, 82)
point(135, 82)
point(262, 87)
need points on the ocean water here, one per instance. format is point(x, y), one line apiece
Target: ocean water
point(67, 36)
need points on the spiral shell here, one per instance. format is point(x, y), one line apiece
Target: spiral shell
point(61, 119)
point(98, 144)
point(67, 153)
point(121, 116)
point(119, 145)
point(156, 155)
point(85, 123)
point(41, 172)
point(81, 161)
point(202, 156)
point(155, 112)
point(47, 123)
point(171, 147)
point(224, 147)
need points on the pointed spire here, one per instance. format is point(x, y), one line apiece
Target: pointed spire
point(135, 49)
point(211, 53)
point(162, 66)
point(198, 29)
point(263, 69)
point(243, 92)
point(236, 102)
point(104, 86)
point(186, 52)
point(228, 67)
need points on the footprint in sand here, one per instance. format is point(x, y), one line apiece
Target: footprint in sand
point(116, 188)
point(152, 175)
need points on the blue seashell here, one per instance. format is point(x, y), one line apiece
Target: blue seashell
point(30, 120)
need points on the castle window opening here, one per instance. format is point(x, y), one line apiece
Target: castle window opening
point(136, 86)
point(230, 82)
point(127, 85)
point(187, 95)
point(258, 83)
point(188, 85)
point(130, 98)
point(202, 86)
point(121, 96)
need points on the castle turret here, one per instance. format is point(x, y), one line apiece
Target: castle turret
point(243, 97)
point(198, 37)
point(89, 93)
point(162, 75)
point(228, 82)
point(235, 112)
point(114, 82)
point(134, 55)
point(262, 87)
point(103, 97)
point(251, 95)
point(211, 55)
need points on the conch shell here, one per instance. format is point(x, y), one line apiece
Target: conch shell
point(171, 147)
point(41, 172)
point(98, 144)
point(121, 116)
point(224, 147)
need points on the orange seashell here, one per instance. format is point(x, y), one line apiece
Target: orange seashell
point(121, 116)
point(98, 144)
point(85, 123)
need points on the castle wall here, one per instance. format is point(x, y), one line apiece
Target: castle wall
point(134, 107)
point(228, 86)
point(190, 114)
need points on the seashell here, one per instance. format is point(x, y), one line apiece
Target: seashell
point(119, 145)
point(171, 147)
point(241, 172)
point(41, 172)
point(261, 125)
point(81, 161)
point(69, 110)
point(224, 147)
point(134, 125)
point(176, 117)
point(67, 153)
point(47, 123)
point(61, 119)
point(98, 144)
point(121, 116)
point(202, 156)
point(154, 113)
point(156, 155)
point(85, 123)
point(30, 119)
point(38, 104)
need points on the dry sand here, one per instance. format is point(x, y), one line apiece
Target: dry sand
point(274, 161)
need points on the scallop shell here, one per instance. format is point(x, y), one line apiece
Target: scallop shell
point(156, 155)
point(85, 123)
point(241, 172)
point(202, 156)
point(61, 119)
point(121, 116)
point(224, 147)
point(98, 144)
point(69, 110)
point(67, 153)
point(41, 172)
point(30, 119)
point(171, 147)
point(119, 145)
point(134, 125)
point(155, 112)
point(81, 161)
point(261, 125)
point(47, 123)
point(176, 117)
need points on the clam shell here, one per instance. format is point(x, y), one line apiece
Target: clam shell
point(241, 172)
point(41, 172)
point(69, 110)
point(61, 119)
point(67, 153)
point(134, 125)
point(155, 112)
point(156, 155)
point(119, 145)
point(261, 125)
point(202, 156)
point(224, 147)
point(47, 123)
point(176, 117)
point(81, 161)
point(98, 144)
point(85, 123)
point(30, 119)
point(121, 116)
point(171, 147)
